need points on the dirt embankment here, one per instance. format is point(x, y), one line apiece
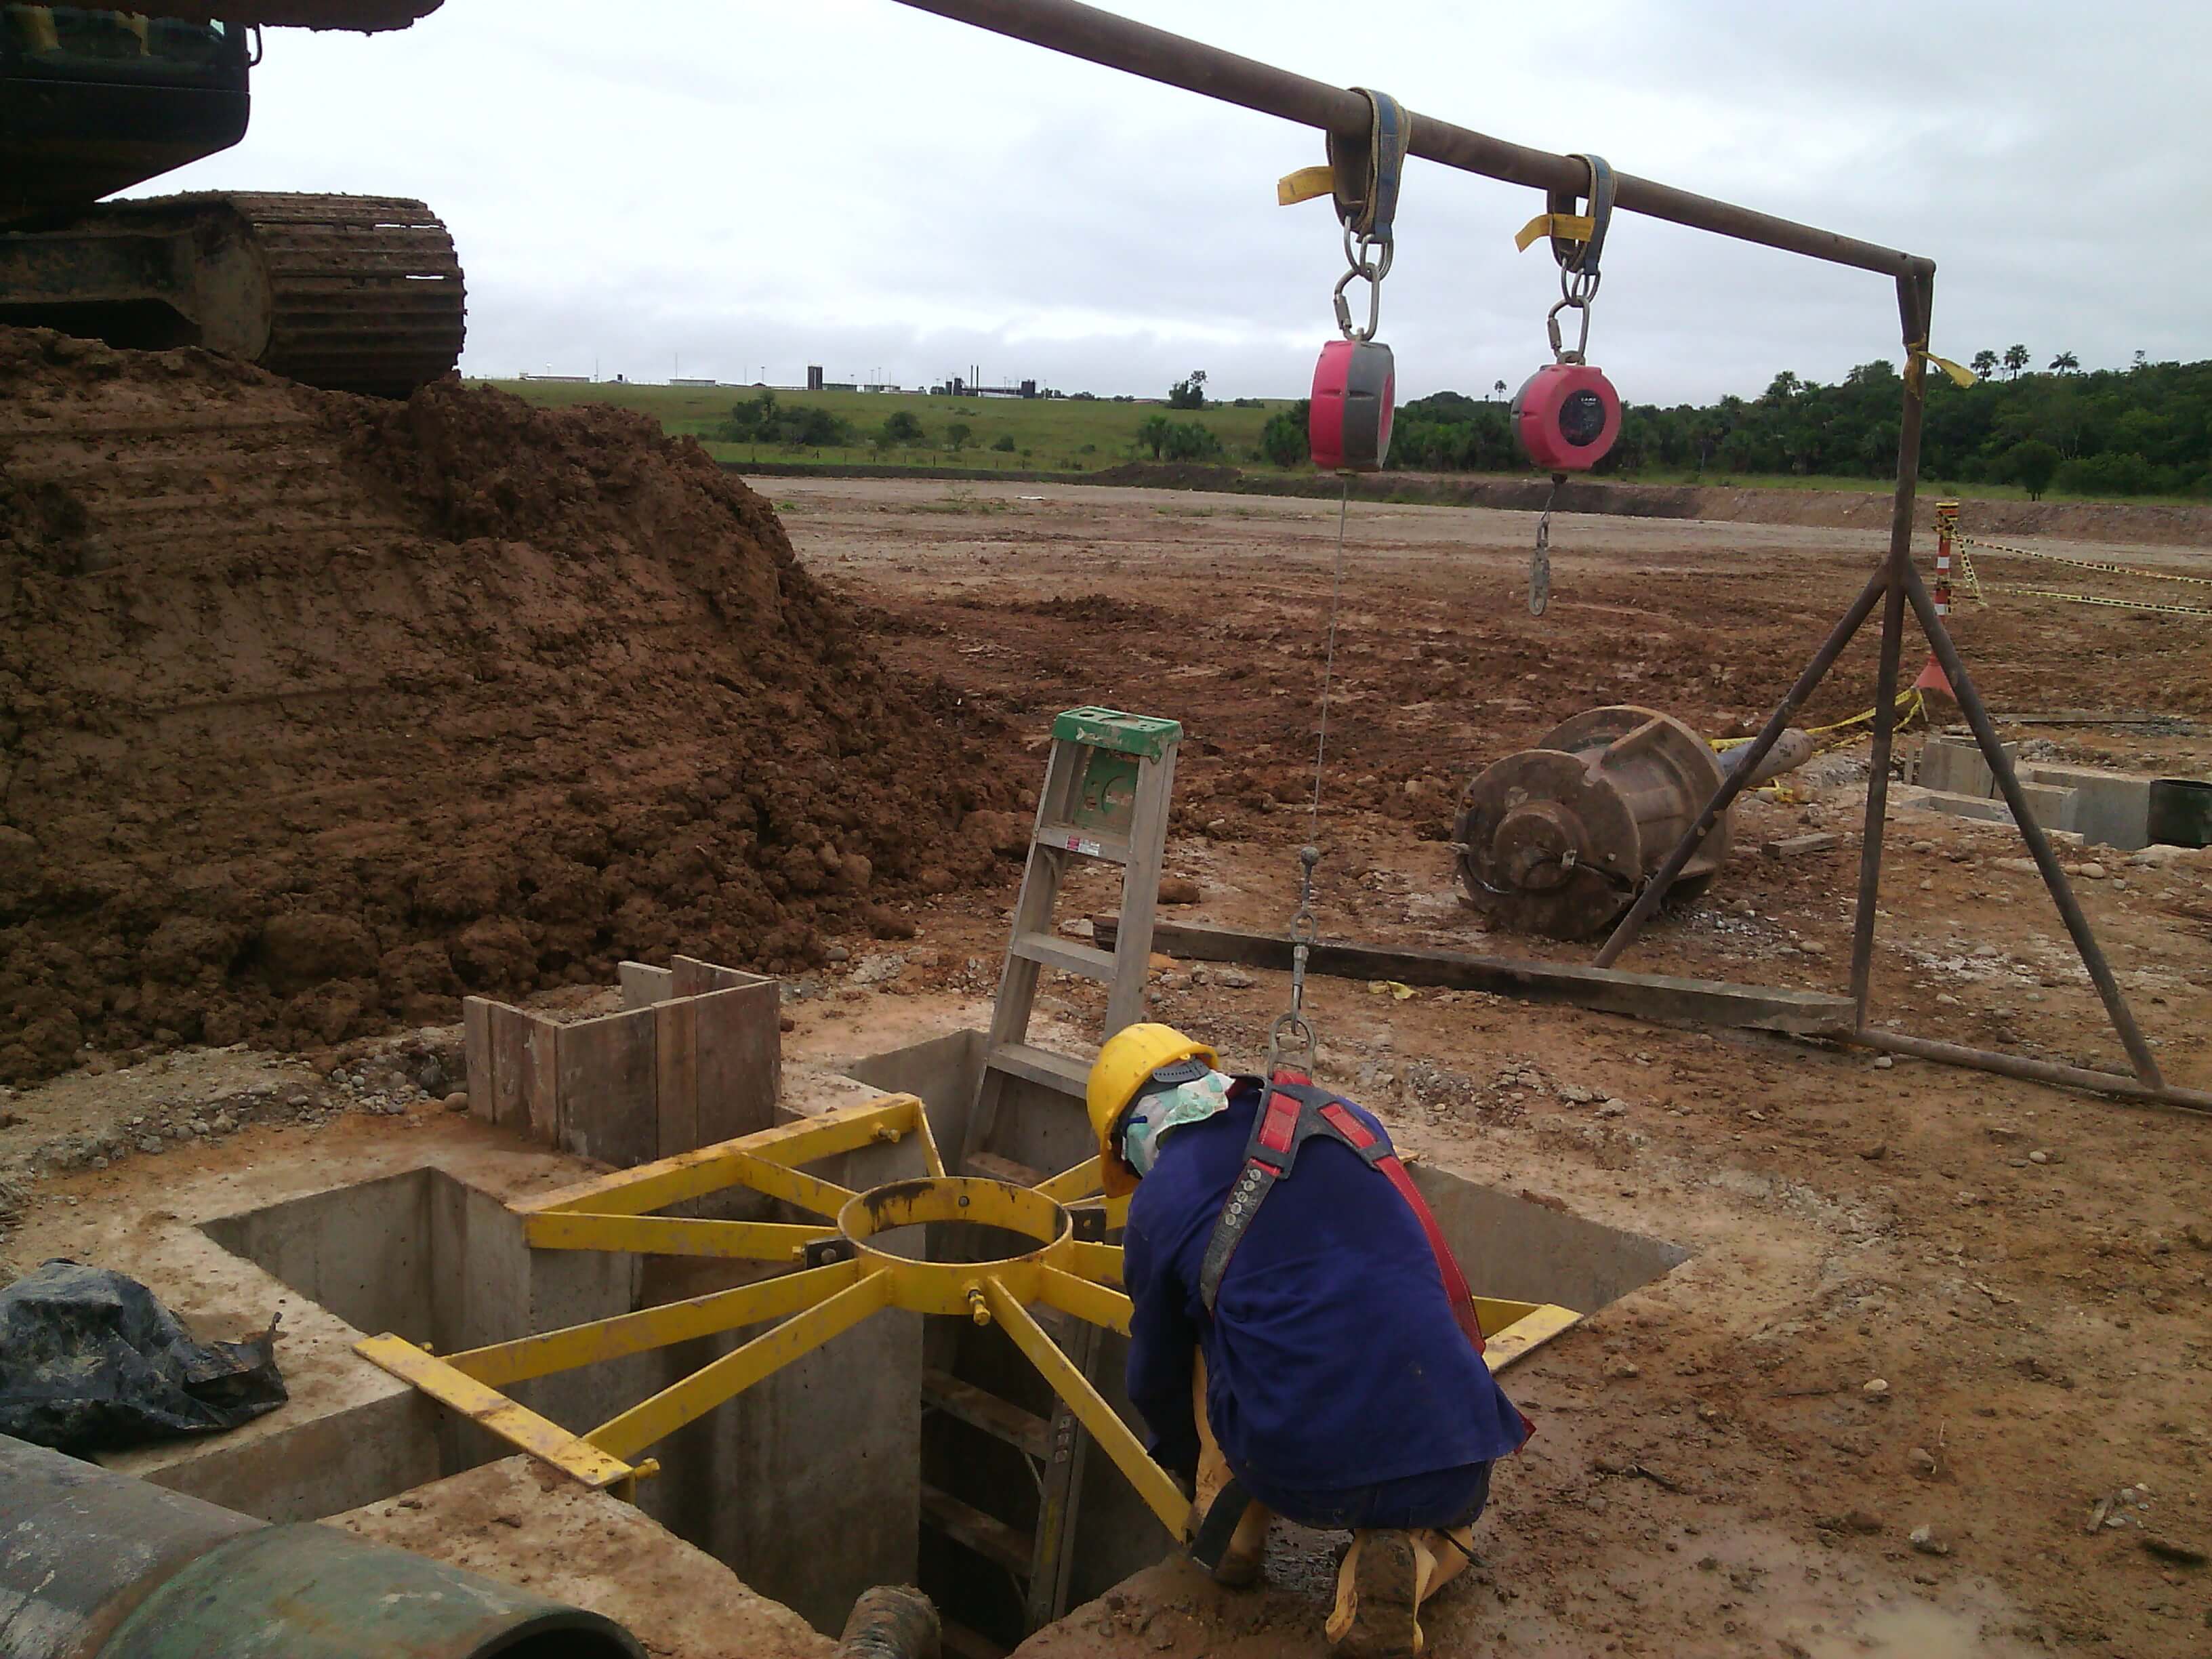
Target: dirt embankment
point(2111, 521)
point(316, 711)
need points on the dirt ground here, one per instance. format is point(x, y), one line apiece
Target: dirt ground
point(1936, 1378)
point(2021, 1271)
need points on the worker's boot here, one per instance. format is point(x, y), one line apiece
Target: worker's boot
point(1378, 1596)
point(1241, 1561)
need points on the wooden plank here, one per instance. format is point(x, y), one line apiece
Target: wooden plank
point(989, 1536)
point(694, 978)
point(1658, 997)
point(739, 1044)
point(476, 1053)
point(676, 1058)
point(643, 984)
point(608, 1088)
point(541, 1079)
point(1001, 1418)
point(510, 1067)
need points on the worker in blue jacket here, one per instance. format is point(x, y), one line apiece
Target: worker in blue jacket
point(1302, 1341)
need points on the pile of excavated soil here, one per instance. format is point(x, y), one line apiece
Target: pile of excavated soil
point(316, 711)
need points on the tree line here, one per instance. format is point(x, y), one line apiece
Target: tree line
point(2146, 429)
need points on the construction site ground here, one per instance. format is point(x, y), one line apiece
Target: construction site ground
point(1936, 1379)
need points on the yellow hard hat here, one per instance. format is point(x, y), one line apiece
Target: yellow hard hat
point(1129, 1057)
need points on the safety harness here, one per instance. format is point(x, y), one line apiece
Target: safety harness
point(1293, 1113)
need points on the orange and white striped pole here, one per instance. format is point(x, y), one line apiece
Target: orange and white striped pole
point(1946, 527)
point(1932, 677)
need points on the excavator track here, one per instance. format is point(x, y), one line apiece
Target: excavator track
point(365, 292)
point(349, 293)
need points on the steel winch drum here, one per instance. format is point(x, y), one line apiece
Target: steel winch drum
point(1556, 840)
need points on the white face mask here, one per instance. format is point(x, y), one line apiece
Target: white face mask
point(1171, 1108)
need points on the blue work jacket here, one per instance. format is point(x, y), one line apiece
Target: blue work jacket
point(1332, 1360)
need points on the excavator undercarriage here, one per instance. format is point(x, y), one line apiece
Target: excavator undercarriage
point(352, 293)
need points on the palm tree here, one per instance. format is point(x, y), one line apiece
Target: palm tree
point(1498, 390)
point(2065, 363)
point(1985, 363)
point(2015, 359)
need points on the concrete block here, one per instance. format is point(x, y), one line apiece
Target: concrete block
point(739, 1046)
point(1956, 766)
point(2053, 808)
point(2112, 808)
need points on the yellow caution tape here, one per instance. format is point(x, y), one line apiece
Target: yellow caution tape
point(1574, 226)
point(2093, 599)
point(1910, 704)
point(2084, 564)
point(1303, 185)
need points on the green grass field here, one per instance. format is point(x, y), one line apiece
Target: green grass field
point(1056, 434)
point(1066, 435)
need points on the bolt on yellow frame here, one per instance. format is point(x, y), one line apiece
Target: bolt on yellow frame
point(838, 1277)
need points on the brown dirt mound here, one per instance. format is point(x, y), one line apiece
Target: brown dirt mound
point(317, 711)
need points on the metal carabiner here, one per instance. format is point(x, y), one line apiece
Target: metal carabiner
point(1552, 327)
point(1374, 304)
point(1361, 262)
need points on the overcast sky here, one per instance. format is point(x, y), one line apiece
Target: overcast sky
point(751, 184)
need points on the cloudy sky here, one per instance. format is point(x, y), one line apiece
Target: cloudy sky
point(741, 186)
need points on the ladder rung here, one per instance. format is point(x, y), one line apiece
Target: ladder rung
point(989, 1536)
point(1061, 1072)
point(979, 1408)
point(1086, 960)
point(1085, 843)
point(991, 1167)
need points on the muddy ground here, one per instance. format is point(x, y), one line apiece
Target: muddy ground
point(2022, 1272)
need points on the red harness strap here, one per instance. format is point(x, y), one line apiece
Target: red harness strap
point(1293, 1113)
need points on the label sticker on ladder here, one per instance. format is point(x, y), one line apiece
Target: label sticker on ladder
point(1083, 844)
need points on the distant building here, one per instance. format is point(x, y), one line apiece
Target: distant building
point(814, 377)
point(689, 380)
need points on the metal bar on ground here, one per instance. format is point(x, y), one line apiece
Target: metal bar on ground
point(1658, 997)
point(2117, 1084)
point(662, 1235)
point(1175, 60)
point(1740, 773)
point(2038, 844)
point(683, 1402)
point(494, 1413)
point(500, 1363)
point(1153, 1484)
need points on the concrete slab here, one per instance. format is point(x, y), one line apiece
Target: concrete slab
point(2053, 807)
point(2111, 808)
point(1956, 766)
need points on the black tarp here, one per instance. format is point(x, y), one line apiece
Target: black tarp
point(90, 1361)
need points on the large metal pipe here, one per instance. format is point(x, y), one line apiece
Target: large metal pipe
point(98, 1566)
point(1175, 60)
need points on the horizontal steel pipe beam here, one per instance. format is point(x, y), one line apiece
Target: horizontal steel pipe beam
point(1175, 60)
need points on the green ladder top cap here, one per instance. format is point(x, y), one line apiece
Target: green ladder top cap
point(1109, 728)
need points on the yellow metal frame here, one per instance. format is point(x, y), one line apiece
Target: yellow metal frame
point(853, 1278)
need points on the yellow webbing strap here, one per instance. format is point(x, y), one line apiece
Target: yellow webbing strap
point(1960, 376)
point(1303, 185)
point(1574, 227)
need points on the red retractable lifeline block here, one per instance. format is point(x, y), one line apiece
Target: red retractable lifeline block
point(1566, 416)
point(1355, 390)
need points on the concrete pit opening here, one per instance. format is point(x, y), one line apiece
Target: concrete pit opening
point(927, 1450)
